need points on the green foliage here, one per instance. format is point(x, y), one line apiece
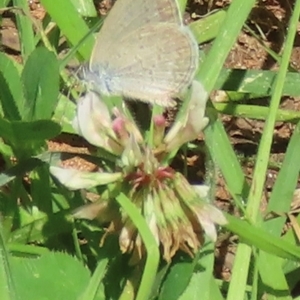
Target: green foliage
point(33, 277)
point(35, 208)
point(40, 79)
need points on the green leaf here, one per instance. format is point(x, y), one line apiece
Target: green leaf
point(9, 107)
point(3, 3)
point(256, 112)
point(73, 27)
point(85, 7)
point(21, 133)
point(18, 170)
point(202, 280)
point(37, 226)
point(40, 189)
point(205, 29)
point(261, 239)
point(285, 185)
point(40, 77)
point(270, 267)
point(272, 275)
point(178, 279)
point(11, 92)
point(7, 288)
point(25, 28)
point(51, 276)
point(256, 82)
point(215, 134)
point(64, 114)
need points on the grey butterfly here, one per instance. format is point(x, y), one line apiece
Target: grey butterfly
point(144, 52)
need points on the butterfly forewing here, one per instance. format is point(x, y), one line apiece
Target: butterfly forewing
point(151, 68)
point(128, 15)
point(143, 51)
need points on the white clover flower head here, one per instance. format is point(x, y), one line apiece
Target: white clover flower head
point(176, 212)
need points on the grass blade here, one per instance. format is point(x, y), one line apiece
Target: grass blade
point(7, 289)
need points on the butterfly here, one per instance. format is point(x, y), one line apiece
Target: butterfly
point(144, 52)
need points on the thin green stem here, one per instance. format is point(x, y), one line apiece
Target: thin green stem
point(264, 149)
point(236, 16)
point(257, 112)
point(26, 249)
point(243, 254)
point(215, 134)
point(76, 243)
point(153, 256)
point(94, 284)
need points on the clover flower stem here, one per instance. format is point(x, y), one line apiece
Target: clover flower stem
point(153, 256)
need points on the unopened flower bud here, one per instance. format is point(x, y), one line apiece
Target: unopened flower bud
point(159, 123)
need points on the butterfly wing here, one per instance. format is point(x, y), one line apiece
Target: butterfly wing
point(128, 15)
point(154, 63)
